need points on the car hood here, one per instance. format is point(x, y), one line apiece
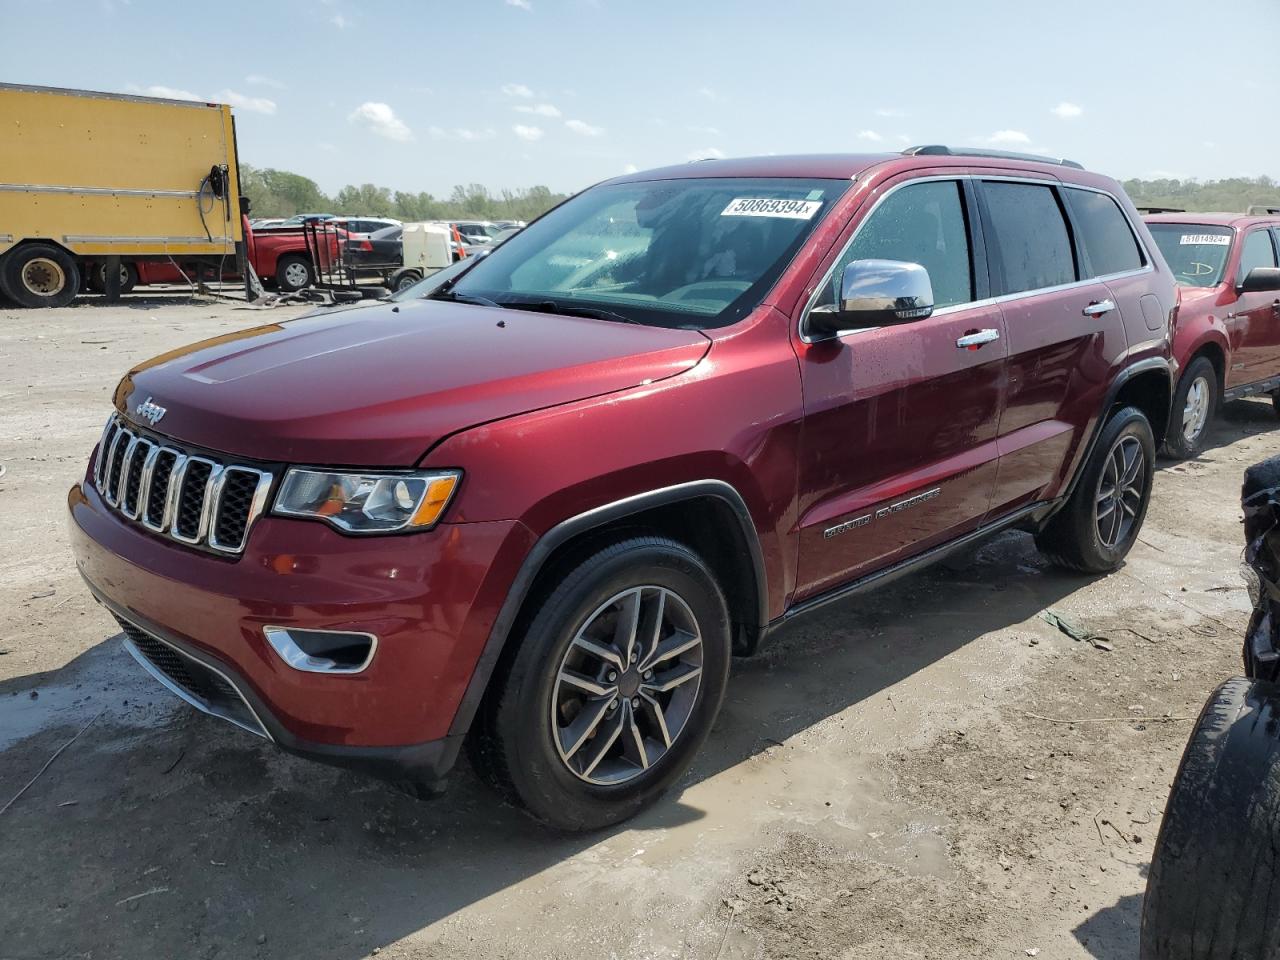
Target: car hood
point(379, 386)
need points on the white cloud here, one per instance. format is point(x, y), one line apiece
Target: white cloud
point(630, 168)
point(870, 135)
point(707, 131)
point(258, 80)
point(242, 102)
point(903, 138)
point(583, 128)
point(379, 118)
point(1066, 110)
point(890, 112)
point(522, 4)
point(527, 133)
point(461, 133)
point(706, 153)
point(539, 109)
point(708, 94)
point(339, 21)
point(516, 90)
point(1006, 137)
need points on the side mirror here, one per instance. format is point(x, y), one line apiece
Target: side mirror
point(1260, 279)
point(875, 293)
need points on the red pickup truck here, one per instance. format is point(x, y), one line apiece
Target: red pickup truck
point(278, 255)
point(1227, 344)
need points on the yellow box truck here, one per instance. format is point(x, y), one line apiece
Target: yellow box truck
point(92, 184)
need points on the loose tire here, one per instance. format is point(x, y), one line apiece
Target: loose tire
point(613, 688)
point(40, 275)
point(1212, 892)
point(1100, 523)
point(1194, 404)
point(294, 272)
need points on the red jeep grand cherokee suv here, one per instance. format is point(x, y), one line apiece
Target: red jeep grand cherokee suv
point(1227, 342)
point(538, 510)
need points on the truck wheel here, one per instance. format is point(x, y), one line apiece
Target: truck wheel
point(1097, 526)
point(1275, 401)
point(1194, 405)
point(40, 275)
point(1212, 891)
point(613, 687)
point(128, 277)
point(404, 280)
point(294, 272)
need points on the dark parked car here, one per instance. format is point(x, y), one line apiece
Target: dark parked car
point(380, 253)
point(536, 512)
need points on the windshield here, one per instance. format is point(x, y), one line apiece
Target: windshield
point(1196, 253)
point(682, 253)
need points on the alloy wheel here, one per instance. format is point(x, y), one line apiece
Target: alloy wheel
point(297, 275)
point(1196, 411)
point(627, 685)
point(1120, 490)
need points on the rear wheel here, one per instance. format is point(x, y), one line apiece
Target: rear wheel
point(405, 279)
point(1275, 401)
point(294, 273)
point(1194, 405)
point(40, 275)
point(1100, 523)
point(128, 277)
point(613, 688)
point(1212, 891)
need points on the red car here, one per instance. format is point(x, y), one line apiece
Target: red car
point(1227, 343)
point(537, 511)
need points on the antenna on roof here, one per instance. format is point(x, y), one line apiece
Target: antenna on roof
point(941, 150)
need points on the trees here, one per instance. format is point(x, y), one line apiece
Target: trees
point(1233, 195)
point(279, 193)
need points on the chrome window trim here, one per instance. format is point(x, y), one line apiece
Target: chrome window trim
point(1148, 267)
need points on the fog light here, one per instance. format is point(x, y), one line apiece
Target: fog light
point(322, 651)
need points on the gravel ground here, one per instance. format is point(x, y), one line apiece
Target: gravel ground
point(930, 771)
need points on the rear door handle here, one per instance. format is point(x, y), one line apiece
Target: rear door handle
point(972, 341)
point(1098, 308)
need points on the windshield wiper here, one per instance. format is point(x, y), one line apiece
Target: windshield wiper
point(453, 297)
point(569, 310)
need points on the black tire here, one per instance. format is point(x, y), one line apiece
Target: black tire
point(514, 743)
point(128, 277)
point(1212, 891)
point(40, 275)
point(1072, 538)
point(405, 279)
point(1275, 402)
point(289, 273)
point(1202, 376)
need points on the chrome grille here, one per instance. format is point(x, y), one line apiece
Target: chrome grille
point(189, 498)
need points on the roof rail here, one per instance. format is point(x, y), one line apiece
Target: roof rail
point(941, 150)
point(1162, 209)
point(1262, 210)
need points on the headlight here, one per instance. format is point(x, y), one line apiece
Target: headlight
point(368, 502)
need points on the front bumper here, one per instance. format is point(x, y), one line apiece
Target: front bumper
point(430, 598)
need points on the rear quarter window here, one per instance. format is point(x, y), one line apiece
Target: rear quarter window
point(1031, 239)
point(1105, 234)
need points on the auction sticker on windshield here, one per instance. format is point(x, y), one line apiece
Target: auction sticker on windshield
point(1213, 239)
point(756, 207)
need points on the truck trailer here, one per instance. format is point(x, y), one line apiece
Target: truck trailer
point(93, 184)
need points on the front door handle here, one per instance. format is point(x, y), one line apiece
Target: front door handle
point(1098, 308)
point(976, 338)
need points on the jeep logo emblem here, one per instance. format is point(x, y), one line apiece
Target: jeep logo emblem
point(150, 412)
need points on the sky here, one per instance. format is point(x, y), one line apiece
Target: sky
point(512, 93)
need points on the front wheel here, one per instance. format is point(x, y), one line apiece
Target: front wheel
point(1194, 404)
point(40, 275)
point(614, 687)
point(1099, 524)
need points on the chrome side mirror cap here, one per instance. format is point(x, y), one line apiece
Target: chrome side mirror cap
point(875, 293)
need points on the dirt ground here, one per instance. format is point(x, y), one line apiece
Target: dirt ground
point(895, 778)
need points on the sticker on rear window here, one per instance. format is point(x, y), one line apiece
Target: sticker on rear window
point(1213, 239)
point(788, 209)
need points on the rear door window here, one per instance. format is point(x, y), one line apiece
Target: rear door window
point(1031, 243)
point(1108, 241)
point(920, 223)
point(1257, 252)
